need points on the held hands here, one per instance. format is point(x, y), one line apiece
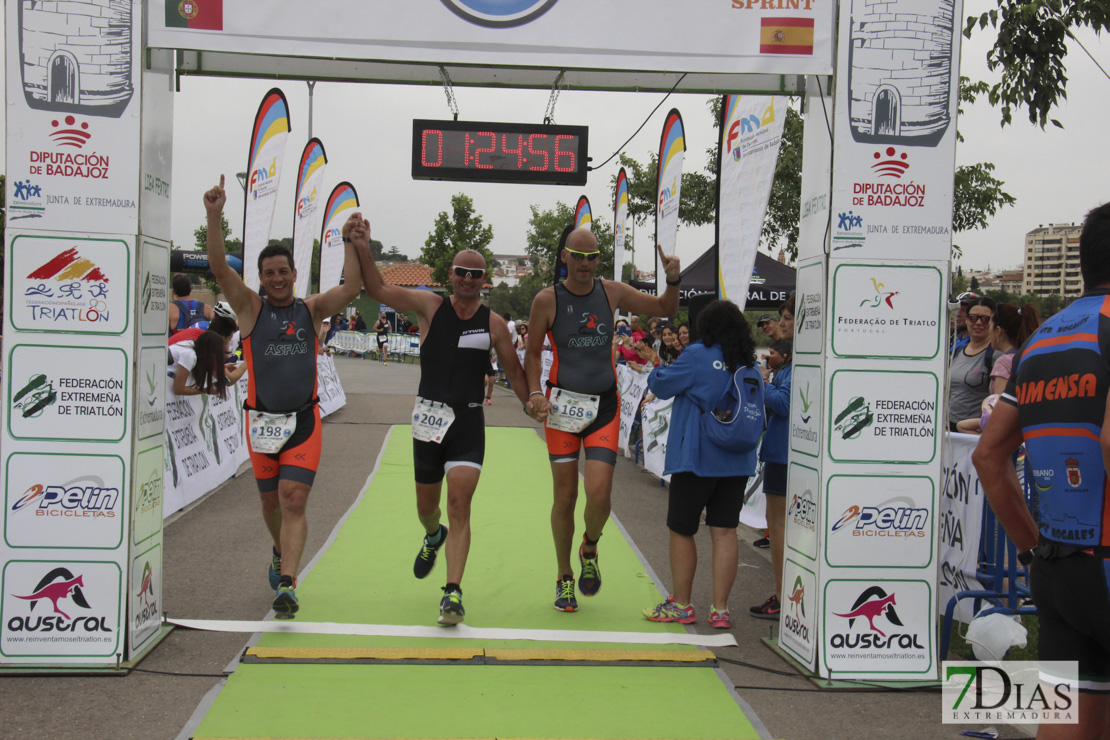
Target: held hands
point(538, 407)
point(215, 198)
point(670, 265)
point(357, 229)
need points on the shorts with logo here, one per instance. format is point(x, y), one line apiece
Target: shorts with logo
point(297, 460)
point(720, 498)
point(1073, 608)
point(464, 444)
point(774, 479)
point(599, 438)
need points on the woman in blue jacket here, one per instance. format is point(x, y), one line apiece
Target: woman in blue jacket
point(703, 476)
point(773, 452)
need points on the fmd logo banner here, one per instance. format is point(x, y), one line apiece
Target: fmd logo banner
point(64, 501)
point(76, 394)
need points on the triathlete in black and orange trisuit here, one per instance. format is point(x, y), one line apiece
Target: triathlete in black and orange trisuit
point(283, 418)
point(582, 396)
point(448, 429)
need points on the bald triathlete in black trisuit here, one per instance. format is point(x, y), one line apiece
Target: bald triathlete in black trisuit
point(456, 334)
point(582, 396)
point(283, 416)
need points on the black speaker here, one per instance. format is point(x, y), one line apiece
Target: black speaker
point(697, 303)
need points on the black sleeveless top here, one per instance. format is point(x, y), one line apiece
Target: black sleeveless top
point(454, 357)
point(281, 358)
point(582, 340)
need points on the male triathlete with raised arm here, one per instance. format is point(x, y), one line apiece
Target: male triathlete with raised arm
point(448, 428)
point(279, 336)
point(582, 396)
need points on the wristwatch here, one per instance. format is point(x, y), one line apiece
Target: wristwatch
point(1025, 558)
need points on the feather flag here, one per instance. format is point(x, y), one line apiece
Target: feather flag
point(582, 214)
point(267, 153)
point(751, 132)
point(310, 178)
point(668, 190)
point(342, 203)
point(621, 211)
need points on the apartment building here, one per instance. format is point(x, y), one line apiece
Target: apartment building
point(1052, 261)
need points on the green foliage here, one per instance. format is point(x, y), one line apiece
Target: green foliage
point(1030, 49)
point(460, 229)
point(780, 225)
point(699, 193)
point(200, 234)
point(959, 283)
point(1046, 305)
point(517, 300)
point(544, 230)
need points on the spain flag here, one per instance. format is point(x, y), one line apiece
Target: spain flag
point(786, 36)
point(203, 14)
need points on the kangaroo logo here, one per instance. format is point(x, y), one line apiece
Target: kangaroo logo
point(797, 598)
point(55, 590)
point(870, 609)
point(146, 588)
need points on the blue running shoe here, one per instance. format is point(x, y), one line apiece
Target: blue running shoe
point(564, 595)
point(285, 603)
point(426, 558)
point(275, 571)
point(451, 610)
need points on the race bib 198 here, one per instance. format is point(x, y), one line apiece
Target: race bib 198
point(270, 432)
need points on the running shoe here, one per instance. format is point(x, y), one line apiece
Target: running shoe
point(489, 401)
point(426, 558)
point(719, 619)
point(769, 609)
point(763, 542)
point(451, 610)
point(564, 595)
point(670, 611)
point(589, 579)
point(275, 570)
point(285, 603)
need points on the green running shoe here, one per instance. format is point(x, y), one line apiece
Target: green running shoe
point(451, 610)
point(669, 611)
point(564, 595)
point(589, 579)
point(285, 603)
point(426, 558)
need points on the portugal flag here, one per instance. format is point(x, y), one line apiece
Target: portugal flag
point(786, 36)
point(203, 14)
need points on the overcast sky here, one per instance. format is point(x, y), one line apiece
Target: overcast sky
point(1056, 175)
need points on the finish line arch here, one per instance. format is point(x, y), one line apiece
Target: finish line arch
point(90, 116)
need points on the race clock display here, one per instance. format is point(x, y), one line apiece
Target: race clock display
point(499, 152)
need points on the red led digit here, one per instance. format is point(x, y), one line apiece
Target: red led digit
point(424, 147)
point(532, 150)
point(519, 151)
point(466, 149)
point(491, 148)
point(558, 154)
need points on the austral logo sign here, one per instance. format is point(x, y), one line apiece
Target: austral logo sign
point(882, 627)
point(877, 608)
point(61, 609)
point(499, 13)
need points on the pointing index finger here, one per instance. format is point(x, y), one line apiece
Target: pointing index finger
point(221, 181)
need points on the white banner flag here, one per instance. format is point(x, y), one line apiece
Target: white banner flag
point(267, 153)
point(310, 181)
point(655, 421)
point(668, 191)
point(751, 133)
point(342, 203)
point(631, 386)
point(619, 224)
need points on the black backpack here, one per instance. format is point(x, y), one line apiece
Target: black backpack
point(190, 317)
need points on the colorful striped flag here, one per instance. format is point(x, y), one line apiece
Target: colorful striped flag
point(786, 36)
point(207, 15)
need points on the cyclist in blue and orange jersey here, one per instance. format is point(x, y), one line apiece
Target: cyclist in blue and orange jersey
point(279, 335)
point(577, 315)
point(1058, 403)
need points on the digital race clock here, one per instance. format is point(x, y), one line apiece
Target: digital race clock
point(499, 152)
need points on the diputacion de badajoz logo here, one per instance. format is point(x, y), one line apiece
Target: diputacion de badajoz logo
point(1013, 691)
point(499, 13)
